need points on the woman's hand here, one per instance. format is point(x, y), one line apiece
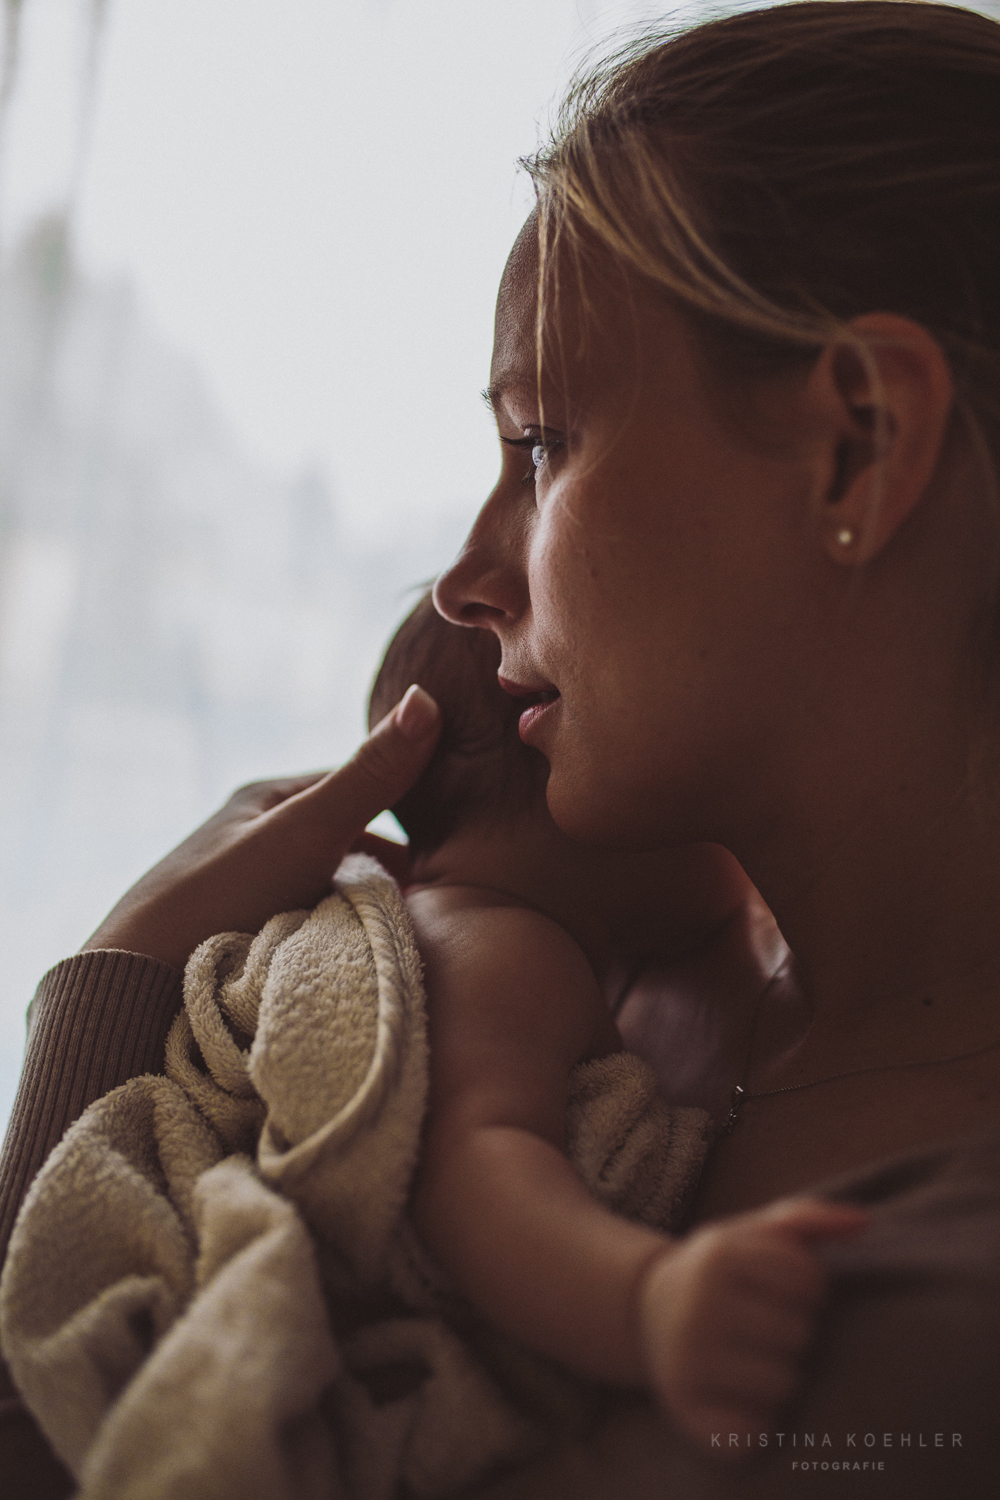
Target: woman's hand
point(273, 847)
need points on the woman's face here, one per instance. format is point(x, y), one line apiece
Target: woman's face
point(641, 562)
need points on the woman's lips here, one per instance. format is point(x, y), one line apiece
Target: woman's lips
point(533, 714)
point(539, 700)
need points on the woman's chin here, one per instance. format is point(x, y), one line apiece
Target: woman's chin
point(585, 800)
point(581, 812)
point(593, 808)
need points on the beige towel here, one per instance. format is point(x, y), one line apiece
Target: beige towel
point(212, 1289)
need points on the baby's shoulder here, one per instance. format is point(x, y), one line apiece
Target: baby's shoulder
point(455, 899)
point(512, 1000)
point(472, 919)
point(477, 942)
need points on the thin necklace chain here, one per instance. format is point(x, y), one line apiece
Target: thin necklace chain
point(741, 1094)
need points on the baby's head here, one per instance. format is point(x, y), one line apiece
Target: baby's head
point(481, 773)
point(485, 781)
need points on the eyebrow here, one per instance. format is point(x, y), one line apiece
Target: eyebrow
point(495, 393)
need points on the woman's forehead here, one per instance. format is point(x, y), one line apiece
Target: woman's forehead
point(513, 370)
point(596, 329)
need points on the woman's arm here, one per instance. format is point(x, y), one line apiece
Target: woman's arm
point(102, 1016)
point(97, 1019)
point(273, 847)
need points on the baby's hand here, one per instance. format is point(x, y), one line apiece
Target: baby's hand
point(728, 1313)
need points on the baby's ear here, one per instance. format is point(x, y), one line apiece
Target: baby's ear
point(884, 398)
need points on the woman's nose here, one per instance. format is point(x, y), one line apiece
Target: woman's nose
point(485, 585)
point(459, 593)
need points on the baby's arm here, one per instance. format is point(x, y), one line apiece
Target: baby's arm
point(714, 1323)
point(513, 1006)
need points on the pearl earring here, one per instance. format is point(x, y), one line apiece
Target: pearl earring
point(845, 536)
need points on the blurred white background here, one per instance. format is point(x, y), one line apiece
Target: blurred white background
point(248, 257)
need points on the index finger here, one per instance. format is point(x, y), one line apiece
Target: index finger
point(385, 766)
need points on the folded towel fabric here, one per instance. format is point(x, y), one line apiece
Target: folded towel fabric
point(213, 1291)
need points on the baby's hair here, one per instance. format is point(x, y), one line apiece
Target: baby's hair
point(481, 771)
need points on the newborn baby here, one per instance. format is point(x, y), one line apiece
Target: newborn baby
point(518, 928)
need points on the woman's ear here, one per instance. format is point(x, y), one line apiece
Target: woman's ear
point(886, 396)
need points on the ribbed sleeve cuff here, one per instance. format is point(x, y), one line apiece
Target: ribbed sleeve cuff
point(97, 1020)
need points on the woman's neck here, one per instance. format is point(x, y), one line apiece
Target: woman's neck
point(621, 907)
point(896, 931)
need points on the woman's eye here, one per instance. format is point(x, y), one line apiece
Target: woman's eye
point(539, 449)
point(542, 449)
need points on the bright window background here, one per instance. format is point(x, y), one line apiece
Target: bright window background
point(250, 252)
point(248, 257)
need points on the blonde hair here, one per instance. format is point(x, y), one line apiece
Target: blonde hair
point(779, 172)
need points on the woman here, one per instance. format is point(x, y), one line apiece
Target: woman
point(102, 1017)
point(743, 563)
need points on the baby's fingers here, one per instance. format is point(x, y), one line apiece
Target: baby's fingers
point(778, 1260)
point(740, 1390)
point(812, 1219)
point(773, 1270)
point(754, 1381)
point(771, 1328)
point(708, 1423)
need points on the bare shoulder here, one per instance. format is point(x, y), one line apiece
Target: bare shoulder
point(473, 921)
point(505, 979)
point(468, 932)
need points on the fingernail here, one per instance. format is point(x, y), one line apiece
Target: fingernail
point(417, 713)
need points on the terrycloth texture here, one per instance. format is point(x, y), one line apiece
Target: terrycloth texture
point(96, 1019)
point(187, 1321)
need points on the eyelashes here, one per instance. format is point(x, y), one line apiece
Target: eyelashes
point(524, 445)
point(538, 448)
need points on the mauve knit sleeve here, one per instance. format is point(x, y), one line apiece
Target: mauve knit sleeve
point(97, 1020)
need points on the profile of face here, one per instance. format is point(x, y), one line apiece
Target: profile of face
point(645, 563)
